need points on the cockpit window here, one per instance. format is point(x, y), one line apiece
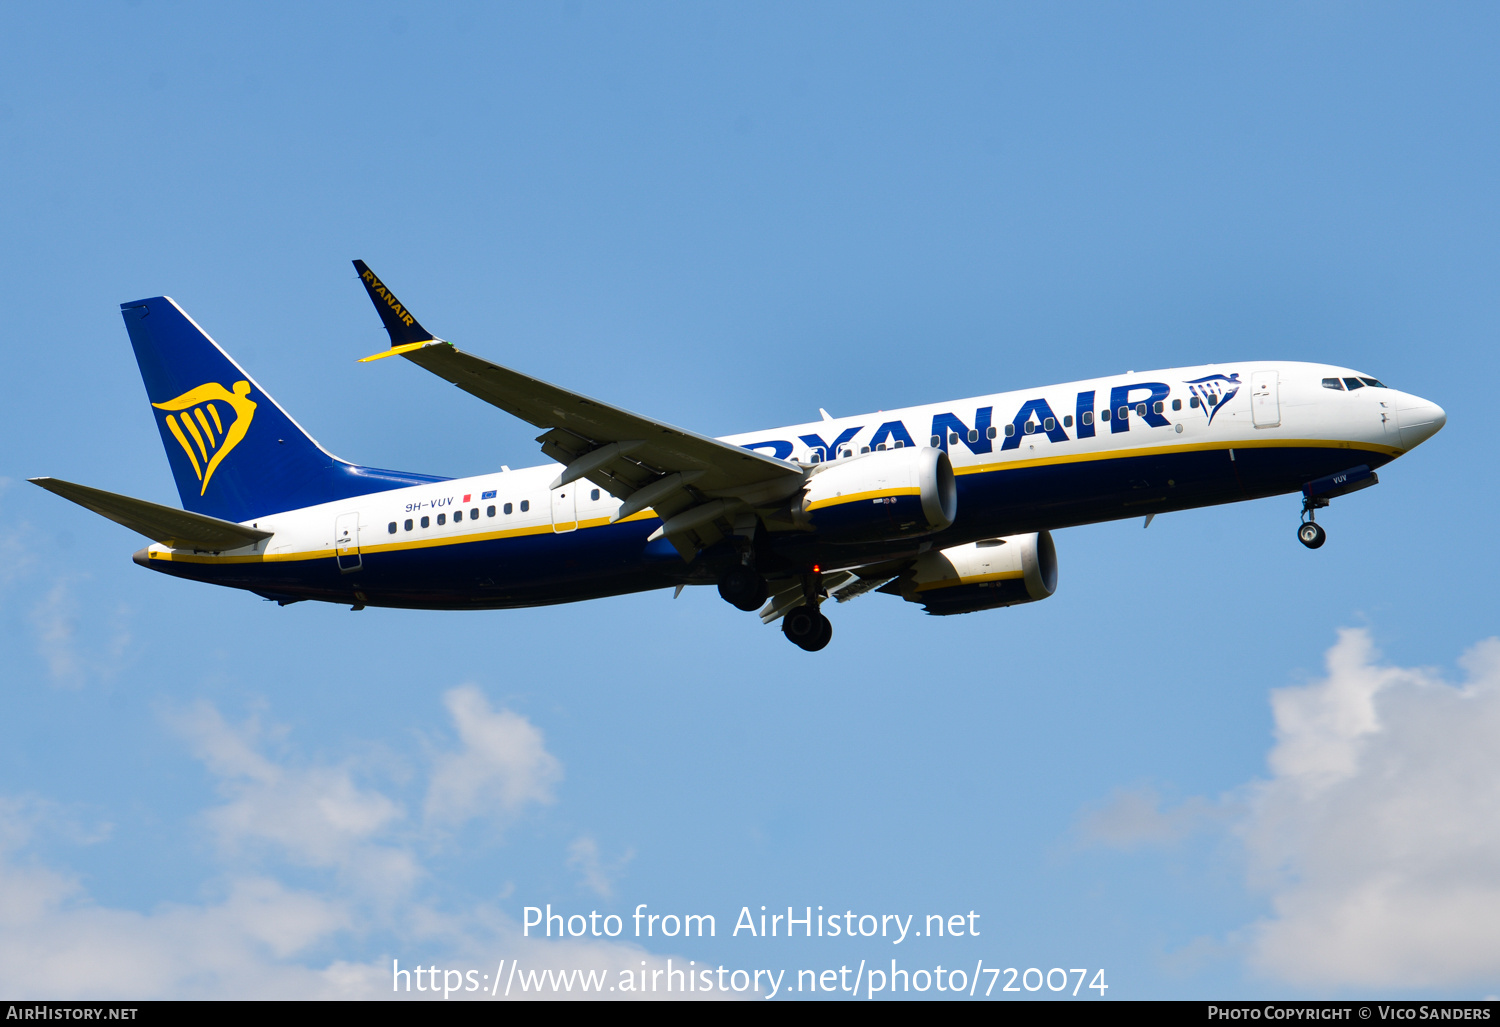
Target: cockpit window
point(1333, 383)
point(1373, 383)
point(1354, 383)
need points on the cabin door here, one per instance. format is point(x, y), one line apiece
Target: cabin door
point(346, 542)
point(565, 508)
point(1265, 401)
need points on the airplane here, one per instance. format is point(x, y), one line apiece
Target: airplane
point(948, 505)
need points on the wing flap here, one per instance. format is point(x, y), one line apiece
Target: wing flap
point(168, 525)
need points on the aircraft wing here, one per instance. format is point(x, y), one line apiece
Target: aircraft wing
point(702, 489)
point(168, 525)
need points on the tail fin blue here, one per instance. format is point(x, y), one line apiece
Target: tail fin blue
point(234, 452)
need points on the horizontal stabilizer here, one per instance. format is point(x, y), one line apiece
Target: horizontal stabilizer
point(165, 524)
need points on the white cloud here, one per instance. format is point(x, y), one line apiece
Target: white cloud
point(1376, 837)
point(594, 873)
point(502, 766)
point(1132, 818)
point(315, 816)
point(69, 661)
point(1378, 834)
point(258, 936)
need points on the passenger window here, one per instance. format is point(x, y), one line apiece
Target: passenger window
point(407, 525)
point(1193, 402)
point(991, 432)
point(1049, 424)
point(458, 515)
point(525, 505)
point(815, 457)
point(1373, 383)
point(489, 511)
point(594, 495)
point(1334, 384)
point(1176, 404)
point(973, 434)
point(507, 509)
point(425, 522)
point(953, 438)
point(1088, 417)
point(1067, 420)
point(474, 514)
point(1104, 415)
point(864, 449)
point(1030, 428)
point(1140, 410)
point(442, 519)
point(1010, 430)
point(900, 444)
point(391, 527)
point(1354, 383)
point(937, 442)
point(1122, 413)
point(1158, 407)
point(880, 448)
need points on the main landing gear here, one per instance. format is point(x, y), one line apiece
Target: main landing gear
point(743, 588)
point(807, 628)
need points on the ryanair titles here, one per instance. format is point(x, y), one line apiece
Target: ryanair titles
point(377, 288)
point(1145, 402)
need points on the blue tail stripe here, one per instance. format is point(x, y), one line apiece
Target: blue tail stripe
point(234, 452)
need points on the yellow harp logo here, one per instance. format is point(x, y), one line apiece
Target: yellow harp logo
point(204, 434)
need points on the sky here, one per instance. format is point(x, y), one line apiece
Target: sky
point(1214, 764)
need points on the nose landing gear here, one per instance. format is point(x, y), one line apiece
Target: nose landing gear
point(1310, 533)
point(1316, 494)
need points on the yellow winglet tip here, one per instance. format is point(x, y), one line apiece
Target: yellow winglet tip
point(397, 350)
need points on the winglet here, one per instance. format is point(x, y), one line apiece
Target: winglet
point(403, 328)
point(396, 351)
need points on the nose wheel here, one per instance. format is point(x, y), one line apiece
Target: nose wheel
point(1311, 534)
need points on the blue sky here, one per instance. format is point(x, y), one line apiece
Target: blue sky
point(1176, 769)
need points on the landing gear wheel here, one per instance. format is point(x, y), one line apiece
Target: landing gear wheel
point(741, 587)
point(1311, 534)
point(806, 628)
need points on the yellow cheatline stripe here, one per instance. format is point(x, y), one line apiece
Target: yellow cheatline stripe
point(385, 547)
point(397, 350)
point(183, 442)
point(856, 497)
point(949, 582)
point(1188, 447)
point(192, 429)
point(213, 443)
point(214, 412)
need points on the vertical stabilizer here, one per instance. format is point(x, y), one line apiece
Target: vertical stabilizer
point(235, 453)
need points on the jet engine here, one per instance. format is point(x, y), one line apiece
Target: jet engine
point(886, 495)
point(981, 575)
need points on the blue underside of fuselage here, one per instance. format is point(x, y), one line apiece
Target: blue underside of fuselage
point(536, 570)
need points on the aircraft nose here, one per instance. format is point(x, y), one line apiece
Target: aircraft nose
point(1420, 420)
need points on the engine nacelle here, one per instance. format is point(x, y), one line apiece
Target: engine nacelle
point(886, 495)
point(982, 575)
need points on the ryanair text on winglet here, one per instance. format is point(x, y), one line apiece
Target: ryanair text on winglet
point(379, 289)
